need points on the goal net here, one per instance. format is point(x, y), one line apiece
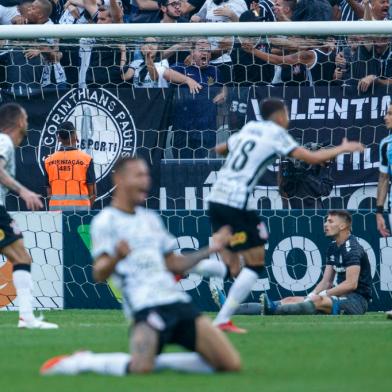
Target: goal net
point(170, 100)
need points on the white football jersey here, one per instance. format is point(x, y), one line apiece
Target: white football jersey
point(142, 276)
point(7, 153)
point(251, 150)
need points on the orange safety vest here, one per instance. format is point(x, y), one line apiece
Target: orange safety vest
point(67, 174)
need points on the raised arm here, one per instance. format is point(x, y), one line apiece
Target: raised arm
point(326, 154)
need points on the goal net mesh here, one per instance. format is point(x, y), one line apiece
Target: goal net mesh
point(171, 100)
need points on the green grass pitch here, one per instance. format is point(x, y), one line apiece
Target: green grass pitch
point(288, 354)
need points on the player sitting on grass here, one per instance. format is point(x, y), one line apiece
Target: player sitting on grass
point(347, 259)
point(131, 243)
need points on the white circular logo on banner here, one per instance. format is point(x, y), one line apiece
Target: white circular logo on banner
point(105, 130)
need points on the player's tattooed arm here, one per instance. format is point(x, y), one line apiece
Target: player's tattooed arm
point(179, 264)
point(7, 180)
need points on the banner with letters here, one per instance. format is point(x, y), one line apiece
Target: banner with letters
point(110, 124)
point(295, 258)
point(328, 114)
point(114, 123)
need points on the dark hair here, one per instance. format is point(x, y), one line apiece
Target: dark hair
point(343, 214)
point(162, 3)
point(121, 162)
point(312, 10)
point(270, 106)
point(65, 130)
point(9, 115)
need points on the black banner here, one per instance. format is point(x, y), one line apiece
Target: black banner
point(328, 114)
point(110, 124)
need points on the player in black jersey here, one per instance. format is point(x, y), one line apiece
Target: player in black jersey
point(348, 262)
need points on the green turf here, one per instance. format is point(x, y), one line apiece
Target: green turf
point(288, 354)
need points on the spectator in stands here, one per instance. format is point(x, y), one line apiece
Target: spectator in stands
point(23, 9)
point(347, 10)
point(263, 9)
point(309, 67)
point(284, 9)
point(36, 67)
point(379, 9)
point(171, 11)
point(374, 65)
point(191, 7)
point(312, 10)
point(58, 7)
point(221, 11)
point(145, 11)
point(148, 70)
point(247, 69)
point(346, 60)
point(9, 15)
point(195, 115)
point(53, 73)
point(101, 66)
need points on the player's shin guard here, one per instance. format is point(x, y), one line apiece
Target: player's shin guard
point(24, 290)
point(307, 307)
point(238, 293)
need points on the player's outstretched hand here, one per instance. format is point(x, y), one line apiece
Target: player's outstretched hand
point(32, 199)
point(381, 226)
point(351, 146)
point(221, 238)
point(122, 250)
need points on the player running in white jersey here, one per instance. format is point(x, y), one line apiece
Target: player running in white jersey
point(13, 127)
point(131, 244)
point(250, 151)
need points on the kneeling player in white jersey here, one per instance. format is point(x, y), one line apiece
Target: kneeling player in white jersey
point(13, 127)
point(131, 243)
point(250, 151)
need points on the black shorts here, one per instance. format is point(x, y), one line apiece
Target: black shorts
point(9, 231)
point(175, 323)
point(248, 228)
point(350, 304)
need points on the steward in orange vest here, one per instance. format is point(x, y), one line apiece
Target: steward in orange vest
point(70, 174)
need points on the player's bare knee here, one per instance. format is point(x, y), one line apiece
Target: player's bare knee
point(230, 364)
point(141, 366)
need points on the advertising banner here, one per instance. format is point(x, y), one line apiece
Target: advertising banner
point(295, 258)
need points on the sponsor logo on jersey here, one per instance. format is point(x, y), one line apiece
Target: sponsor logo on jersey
point(2, 235)
point(7, 288)
point(105, 130)
point(238, 238)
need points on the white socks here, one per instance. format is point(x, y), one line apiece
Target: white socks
point(238, 292)
point(24, 290)
point(116, 364)
point(210, 267)
point(183, 362)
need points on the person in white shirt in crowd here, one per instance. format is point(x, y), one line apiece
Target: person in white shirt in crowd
point(218, 11)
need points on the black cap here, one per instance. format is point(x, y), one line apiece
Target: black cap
point(65, 130)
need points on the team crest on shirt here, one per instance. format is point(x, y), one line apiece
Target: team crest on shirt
point(210, 81)
point(2, 235)
point(105, 129)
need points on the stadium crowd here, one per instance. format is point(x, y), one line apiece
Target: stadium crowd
point(359, 62)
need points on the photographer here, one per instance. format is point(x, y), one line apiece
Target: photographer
point(302, 185)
